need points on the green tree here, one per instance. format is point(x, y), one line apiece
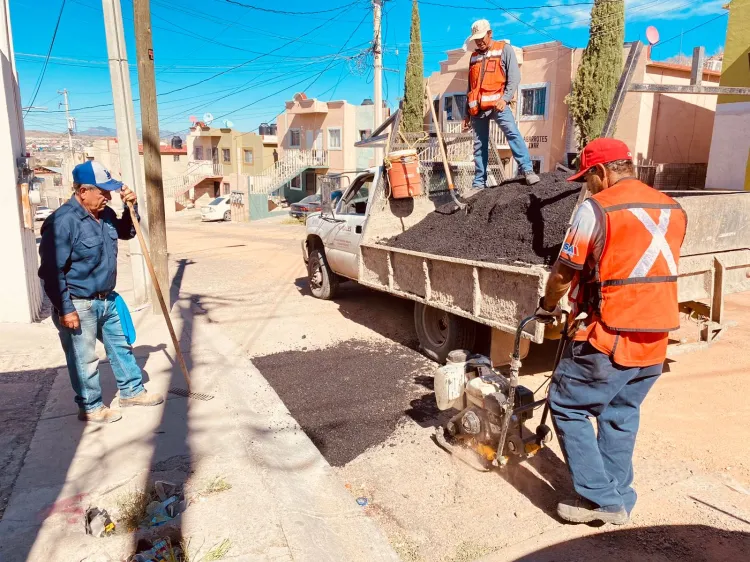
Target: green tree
point(600, 69)
point(413, 117)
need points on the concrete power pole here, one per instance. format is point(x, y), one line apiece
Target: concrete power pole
point(377, 51)
point(69, 120)
point(126, 137)
point(151, 151)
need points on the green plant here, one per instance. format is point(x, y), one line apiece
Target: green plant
point(218, 484)
point(217, 552)
point(412, 120)
point(599, 71)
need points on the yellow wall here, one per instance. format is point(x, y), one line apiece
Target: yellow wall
point(736, 68)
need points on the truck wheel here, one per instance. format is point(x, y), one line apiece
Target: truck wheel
point(323, 282)
point(441, 332)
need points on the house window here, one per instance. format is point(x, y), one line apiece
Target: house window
point(198, 153)
point(364, 133)
point(295, 139)
point(247, 156)
point(176, 157)
point(334, 139)
point(534, 101)
point(225, 155)
point(296, 183)
point(225, 189)
point(455, 107)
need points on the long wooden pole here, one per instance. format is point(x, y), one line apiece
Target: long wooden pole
point(159, 295)
point(157, 233)
point(443, 154)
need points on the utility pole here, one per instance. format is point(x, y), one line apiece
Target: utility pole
point(377, 51)
point(151, 152)
point(71, 121)
point(127, 138)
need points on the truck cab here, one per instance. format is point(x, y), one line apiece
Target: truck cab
point(333, 236)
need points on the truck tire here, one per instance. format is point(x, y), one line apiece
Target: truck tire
point(322, 281)
point(441, 332)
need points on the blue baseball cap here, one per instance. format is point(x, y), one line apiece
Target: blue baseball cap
point(93, 173)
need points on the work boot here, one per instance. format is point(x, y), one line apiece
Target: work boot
point(100, 415)
point(531, 178)
point(583, 511)
point(142, 399)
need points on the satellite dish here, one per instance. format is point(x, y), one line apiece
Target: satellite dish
point(652, 34)
point(193, 119)
point(207, 118)
point(228, 124)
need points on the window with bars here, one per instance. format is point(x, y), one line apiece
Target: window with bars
point(455, 107)
point(247, 156)
point(226, 155)
point(334, 139)
point(198, 153)
point(295, 139)
point(534, 102)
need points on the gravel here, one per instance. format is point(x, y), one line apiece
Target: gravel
point(350, 397)
point(508, 223)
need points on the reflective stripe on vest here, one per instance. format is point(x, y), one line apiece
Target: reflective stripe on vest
point(486, 78)
point(479, 57)
point(636, 277)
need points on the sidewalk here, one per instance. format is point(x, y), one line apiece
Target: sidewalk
point(285, 502)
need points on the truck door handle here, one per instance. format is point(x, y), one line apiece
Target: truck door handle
point(358, 229)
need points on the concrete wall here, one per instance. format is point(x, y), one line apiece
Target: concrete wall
point(21, 295)
point(729, 162)
point(107, 151)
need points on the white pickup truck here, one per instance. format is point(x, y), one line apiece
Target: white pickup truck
point(457, 299)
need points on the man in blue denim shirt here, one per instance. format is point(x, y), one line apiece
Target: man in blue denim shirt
point(79, 271)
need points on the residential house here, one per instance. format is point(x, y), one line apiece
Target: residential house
point(729, 163)
point(315, 138)
point(659, 128)
point(221, 159)
point(107, 151)
point(48, 182)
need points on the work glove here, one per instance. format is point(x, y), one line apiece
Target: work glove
point(548, 316)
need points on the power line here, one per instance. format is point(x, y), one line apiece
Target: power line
point(49, 52)
point(660, 43)
point(474, 8)
point(289, 13)
point(515, 17)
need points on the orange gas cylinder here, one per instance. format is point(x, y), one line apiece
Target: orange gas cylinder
point(403, 174)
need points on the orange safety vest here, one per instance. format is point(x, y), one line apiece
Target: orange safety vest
point(634, 286)
point(486, 78)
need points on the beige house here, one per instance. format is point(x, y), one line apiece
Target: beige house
point(319, 136)
point(174, 161)
point(659, 128)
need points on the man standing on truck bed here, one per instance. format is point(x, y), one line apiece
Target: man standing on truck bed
point(621, 258)
point(493, 80)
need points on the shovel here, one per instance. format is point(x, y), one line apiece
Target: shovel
point(456, 205)
point(180, 359)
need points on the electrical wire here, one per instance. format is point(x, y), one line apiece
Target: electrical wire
point(474, 8)
point(289, 13)
point(660, 43)
point(46, 62)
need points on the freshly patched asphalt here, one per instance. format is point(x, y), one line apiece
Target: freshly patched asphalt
point(508, 223)
point(351, 396)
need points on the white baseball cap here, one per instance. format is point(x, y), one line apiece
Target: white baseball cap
point(479, 29)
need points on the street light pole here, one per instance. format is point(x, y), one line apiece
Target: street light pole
point(377, 52)
point(126, 137)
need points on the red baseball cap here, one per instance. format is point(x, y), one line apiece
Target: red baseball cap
point(601, 151)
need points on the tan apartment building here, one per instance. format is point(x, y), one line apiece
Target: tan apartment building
point(224, 157)
point(317, 137)
point(658, 128)
point(174, 160)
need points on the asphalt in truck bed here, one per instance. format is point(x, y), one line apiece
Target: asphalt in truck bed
point(509, 223)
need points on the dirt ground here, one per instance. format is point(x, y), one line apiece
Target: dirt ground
point(692, 460)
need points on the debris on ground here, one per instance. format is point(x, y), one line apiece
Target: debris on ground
point(351, 396)
point(141, 509)
point(98, 523)
point(508, 223)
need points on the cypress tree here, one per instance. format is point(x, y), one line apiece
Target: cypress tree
point(600, 69)
point(413, 118)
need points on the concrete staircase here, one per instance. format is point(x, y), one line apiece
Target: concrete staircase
point(177, 187)
point(290, 165)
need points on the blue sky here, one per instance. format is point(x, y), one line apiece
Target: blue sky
point(196, 40)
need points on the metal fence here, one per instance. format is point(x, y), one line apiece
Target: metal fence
point(673, 176)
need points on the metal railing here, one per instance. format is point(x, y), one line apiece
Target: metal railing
point(455, 127)
point(291, 164)
point(197, 170)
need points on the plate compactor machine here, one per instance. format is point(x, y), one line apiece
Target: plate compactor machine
point(490, 428)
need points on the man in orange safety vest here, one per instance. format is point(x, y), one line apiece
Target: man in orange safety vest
point(620, 262)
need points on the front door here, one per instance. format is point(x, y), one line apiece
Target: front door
point(311, 186)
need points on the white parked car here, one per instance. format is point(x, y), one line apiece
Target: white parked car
point(42, 213)
point(217, 210)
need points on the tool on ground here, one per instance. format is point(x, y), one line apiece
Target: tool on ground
point(180, 359)
point(490, 428)
point(456, 205)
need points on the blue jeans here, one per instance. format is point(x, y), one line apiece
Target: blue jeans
point(588, 384)
point(99, 320)
point(507, 124)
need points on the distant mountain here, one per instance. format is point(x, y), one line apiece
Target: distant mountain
point(102, 132)
point(98, 132)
